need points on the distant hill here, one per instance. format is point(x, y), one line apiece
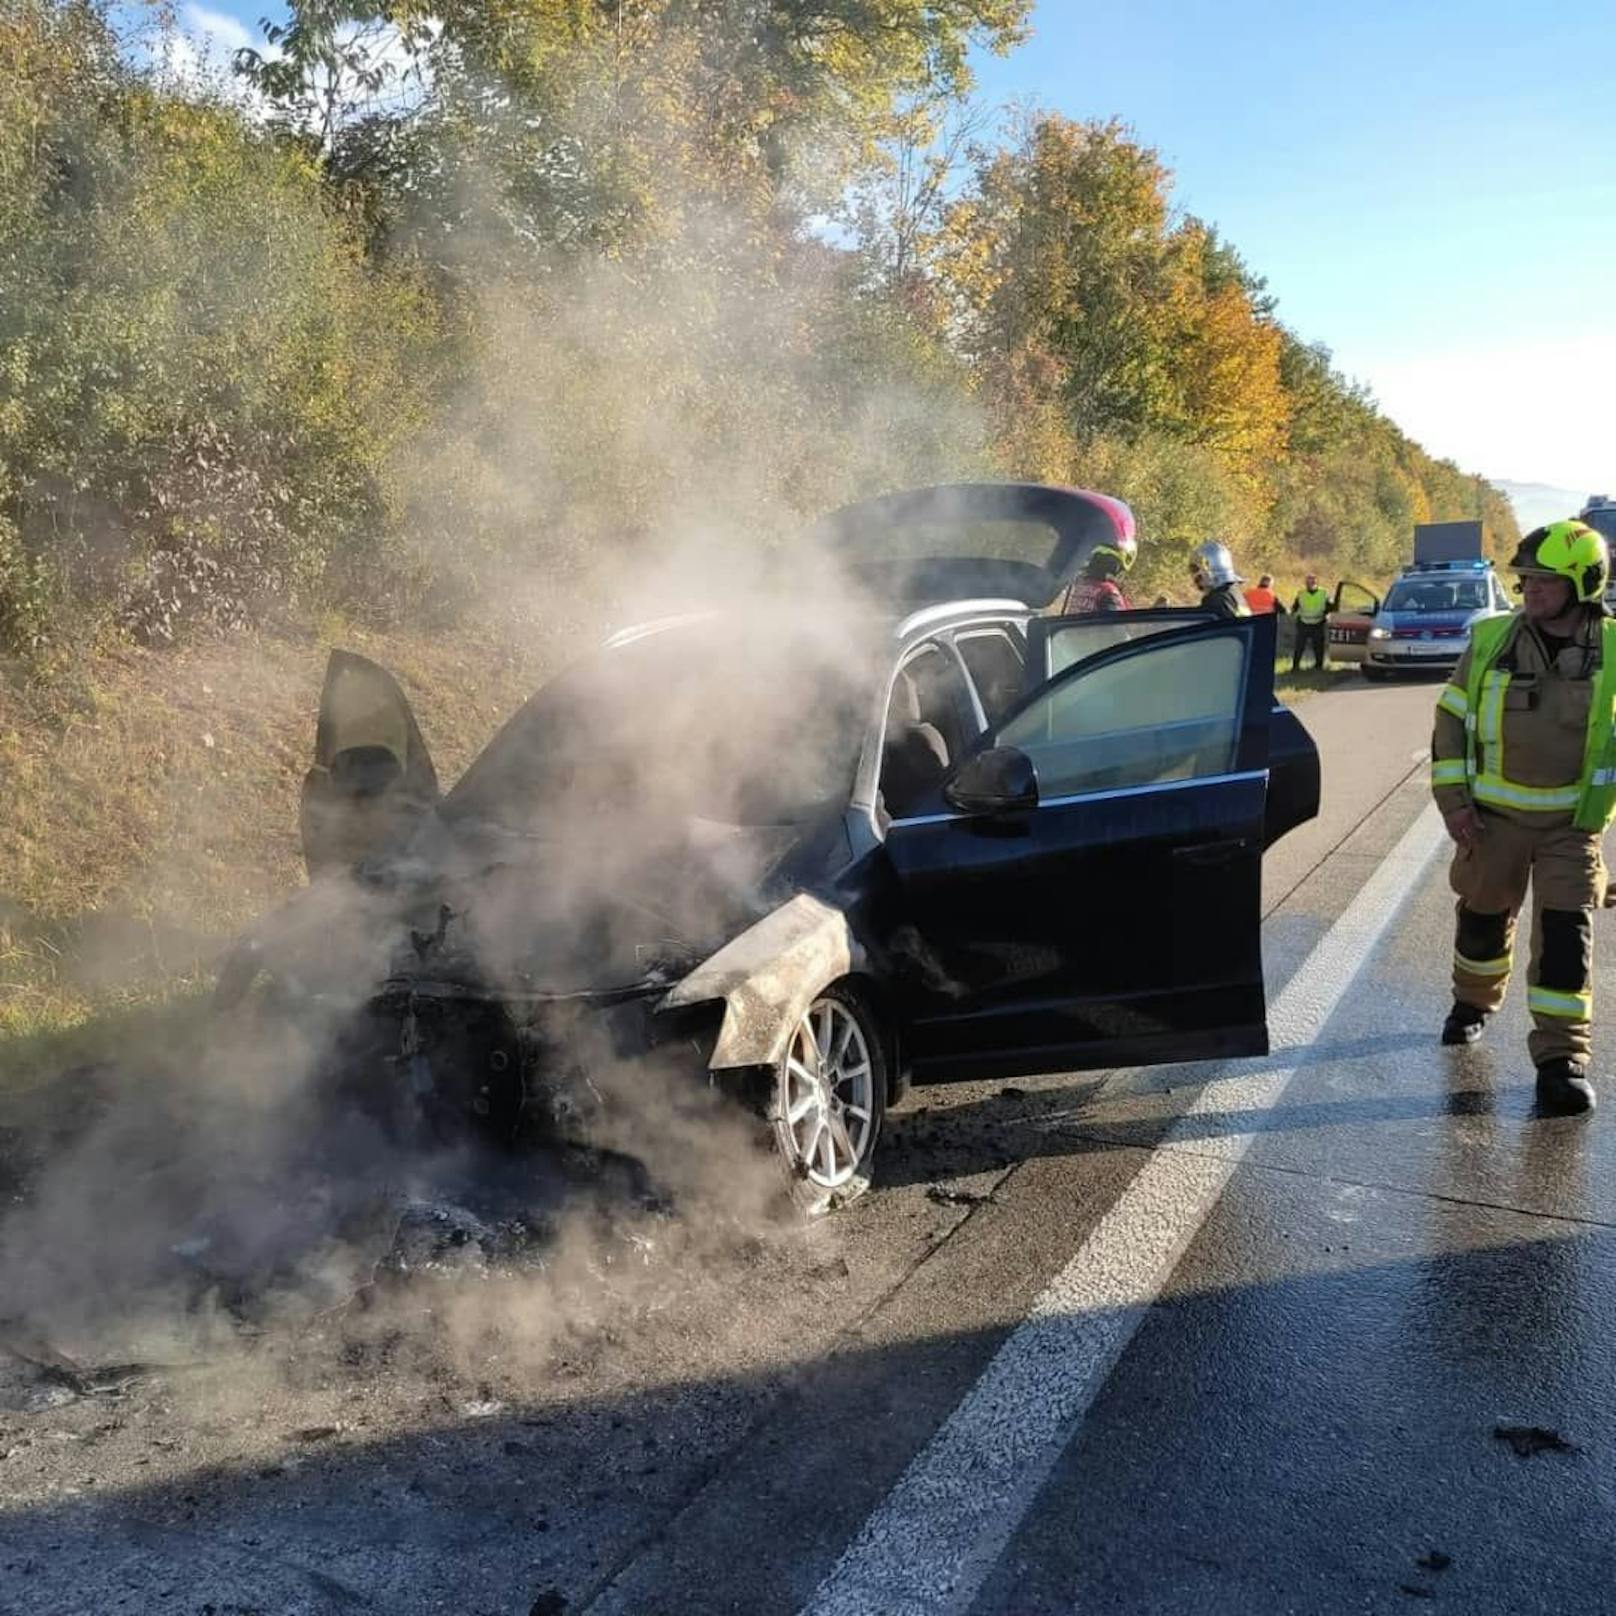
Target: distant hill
point(1537, 503)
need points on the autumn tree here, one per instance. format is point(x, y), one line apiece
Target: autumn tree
point(1225, 389)
point(506, 285)
point(607, 120)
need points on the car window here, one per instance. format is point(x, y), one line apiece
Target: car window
point(1438, 595)
point(997, 668)
point(945, 702)
point(1070, 643)
point(929, 724)
point(743, 720)
point(1354, 597)
point(1173, 712)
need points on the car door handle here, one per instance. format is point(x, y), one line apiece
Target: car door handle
point(1210, 855)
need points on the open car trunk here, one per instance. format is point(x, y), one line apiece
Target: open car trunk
point(961, 541)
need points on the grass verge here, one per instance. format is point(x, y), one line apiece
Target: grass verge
point(150, 810)
point(1295, 687)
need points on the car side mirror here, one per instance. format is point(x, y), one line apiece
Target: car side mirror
point(998, 781)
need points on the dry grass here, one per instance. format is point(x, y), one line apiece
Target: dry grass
point(148, 808)
point(1294, 687)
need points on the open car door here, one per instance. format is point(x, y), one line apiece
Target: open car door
point(372, 776)
point(1352, 615)
point(1087, 890)
point(1057, 643)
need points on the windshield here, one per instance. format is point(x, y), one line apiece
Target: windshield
point(1437, 595)
point(749, 723)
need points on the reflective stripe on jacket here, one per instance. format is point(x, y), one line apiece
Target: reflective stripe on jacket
point(1527, 739)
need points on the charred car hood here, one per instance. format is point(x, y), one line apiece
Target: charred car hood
point(458, 915)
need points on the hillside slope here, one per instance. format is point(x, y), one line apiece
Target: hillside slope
point(151, 800)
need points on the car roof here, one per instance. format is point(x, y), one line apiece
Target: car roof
point(928, 619)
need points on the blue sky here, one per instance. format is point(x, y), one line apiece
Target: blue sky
point(1430, 189)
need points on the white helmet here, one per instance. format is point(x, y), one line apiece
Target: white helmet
point(1213, 562)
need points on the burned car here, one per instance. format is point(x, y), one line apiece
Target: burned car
point(905, 829)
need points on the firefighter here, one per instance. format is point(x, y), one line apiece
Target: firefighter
point(1212, 568)
point(1524, 772)
point(1098, 590)
point(1310, 609)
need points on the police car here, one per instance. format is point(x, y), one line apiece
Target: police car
point(1426, 618)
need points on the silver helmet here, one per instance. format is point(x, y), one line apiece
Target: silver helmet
point(1213, 562)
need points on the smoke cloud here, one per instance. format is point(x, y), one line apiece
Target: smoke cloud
point(639, 438)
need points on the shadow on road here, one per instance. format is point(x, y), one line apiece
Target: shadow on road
point(1358, 1430)
point(1018, 1122)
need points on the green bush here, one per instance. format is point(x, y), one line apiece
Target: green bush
point(203, 378)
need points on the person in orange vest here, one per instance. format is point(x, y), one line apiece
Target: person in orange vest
point(1262, 598)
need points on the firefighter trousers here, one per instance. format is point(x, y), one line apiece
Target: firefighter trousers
point(1565, 869)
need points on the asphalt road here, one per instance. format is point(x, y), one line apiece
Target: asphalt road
point(1330, 1332)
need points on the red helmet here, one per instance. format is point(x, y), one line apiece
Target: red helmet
point(1120, 545)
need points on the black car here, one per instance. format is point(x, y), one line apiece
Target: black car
point(900, 829)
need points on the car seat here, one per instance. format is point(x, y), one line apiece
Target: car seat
point(914, 756)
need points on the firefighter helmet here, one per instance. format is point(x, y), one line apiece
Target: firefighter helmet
point(1213, 562)
point(1570, 550)
point(1116, 555)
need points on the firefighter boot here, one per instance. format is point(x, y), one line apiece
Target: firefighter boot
point(1563, 1089)
point(1464, 1024)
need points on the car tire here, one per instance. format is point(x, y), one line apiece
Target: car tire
point(827, 1106)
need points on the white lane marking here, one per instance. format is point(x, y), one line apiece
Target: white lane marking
point(930, 1545)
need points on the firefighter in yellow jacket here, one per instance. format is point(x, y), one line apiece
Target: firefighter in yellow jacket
point(1524, 772)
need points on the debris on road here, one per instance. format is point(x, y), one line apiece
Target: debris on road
point(1527, 1441)
point(1434, 1560)
point(956, 1195)
point(39, 1377)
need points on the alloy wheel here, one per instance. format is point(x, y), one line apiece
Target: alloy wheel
point(829, 1094)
